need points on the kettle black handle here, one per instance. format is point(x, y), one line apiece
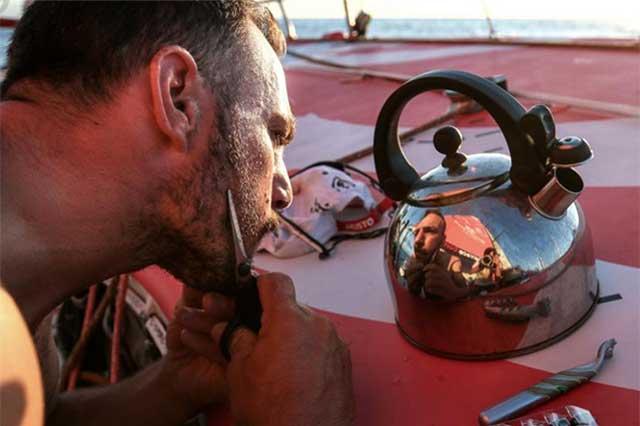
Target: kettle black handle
point(397, 176)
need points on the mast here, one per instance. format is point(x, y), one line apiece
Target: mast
point(346, 15)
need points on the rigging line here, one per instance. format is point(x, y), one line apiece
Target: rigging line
point(346, 15)
point(599, 106)
point(88, 313)
point(612, 108)
point(487, 15)
point(350, 69)
point(77, 353)
point(118, 325)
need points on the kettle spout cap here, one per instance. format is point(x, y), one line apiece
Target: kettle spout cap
point(570, 151)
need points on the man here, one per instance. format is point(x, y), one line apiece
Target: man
point(431, 272)
point(123, 125)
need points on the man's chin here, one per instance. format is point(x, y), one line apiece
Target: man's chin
point(226, 288)
point(215, 270)
point(216, 279)
point(423, 257)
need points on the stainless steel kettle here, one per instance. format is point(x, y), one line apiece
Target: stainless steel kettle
point(488, 256)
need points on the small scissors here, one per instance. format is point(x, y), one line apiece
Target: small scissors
point(248, 306)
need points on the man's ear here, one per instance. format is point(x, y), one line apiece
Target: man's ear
point(175, 91)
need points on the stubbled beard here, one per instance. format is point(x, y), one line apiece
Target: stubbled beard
point(198, 249)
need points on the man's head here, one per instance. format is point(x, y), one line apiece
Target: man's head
point(429, 234)
point(90, 48)
point(165, 106)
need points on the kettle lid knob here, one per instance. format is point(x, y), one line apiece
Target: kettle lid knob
point(447, 141)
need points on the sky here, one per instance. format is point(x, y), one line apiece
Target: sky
point(626, 12)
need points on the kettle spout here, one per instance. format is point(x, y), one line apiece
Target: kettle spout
point(553, 200)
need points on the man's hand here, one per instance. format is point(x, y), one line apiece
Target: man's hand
point(167, 393)
point(296, 371)
point(196, 377)
point(438, 282)
point(414, 275)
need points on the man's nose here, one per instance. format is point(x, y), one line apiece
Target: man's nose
point(281, 193)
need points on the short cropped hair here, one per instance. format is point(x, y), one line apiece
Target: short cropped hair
point(93, 47)
point(436, 212)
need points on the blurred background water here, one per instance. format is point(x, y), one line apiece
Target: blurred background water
point(5, 35)
point(452, 28)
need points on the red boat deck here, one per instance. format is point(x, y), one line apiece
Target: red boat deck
point(396, 383)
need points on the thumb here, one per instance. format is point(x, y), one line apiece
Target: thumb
point(276, 291)
point(192, 297)
point(241, 342)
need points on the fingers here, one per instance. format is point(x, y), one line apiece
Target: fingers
point(198, 320)
point(198, 323)
point(216, 308)
point(192, 297)
point(173, 336)
point(201, 344)
point(276, 291)
point(219, 305)
point(242, 340)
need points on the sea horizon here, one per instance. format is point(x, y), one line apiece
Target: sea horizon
point(455, 28)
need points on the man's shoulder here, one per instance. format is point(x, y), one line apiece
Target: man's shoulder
point(20, 373)
point(48, 357)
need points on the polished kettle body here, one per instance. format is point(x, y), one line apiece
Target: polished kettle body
point(488, 256)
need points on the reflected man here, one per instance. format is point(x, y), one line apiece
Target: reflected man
point(432, 272)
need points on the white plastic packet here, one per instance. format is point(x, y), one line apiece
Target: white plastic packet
point(326, 201)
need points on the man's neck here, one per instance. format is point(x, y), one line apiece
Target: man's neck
point(41, 272)
point(53, 244)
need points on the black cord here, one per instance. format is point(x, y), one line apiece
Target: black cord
point(324, 252)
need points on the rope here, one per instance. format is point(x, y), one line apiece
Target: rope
point(88, 312)
point(114, 372)
point(78, 350)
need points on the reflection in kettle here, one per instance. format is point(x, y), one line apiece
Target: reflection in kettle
point(453, 265)
point(432, 271)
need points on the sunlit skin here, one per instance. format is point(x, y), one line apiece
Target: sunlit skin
point(89, 192)
point(136, 180)
point(252, 167)
point(429, 235)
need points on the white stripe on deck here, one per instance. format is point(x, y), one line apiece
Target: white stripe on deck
point(340, 53)
point(320, 139)
point(352, 282)
point(618, 319)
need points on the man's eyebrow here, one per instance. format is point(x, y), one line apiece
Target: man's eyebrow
point(284, 126)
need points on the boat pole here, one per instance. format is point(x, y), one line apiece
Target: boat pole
point(291, 30)
point(346, 15)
